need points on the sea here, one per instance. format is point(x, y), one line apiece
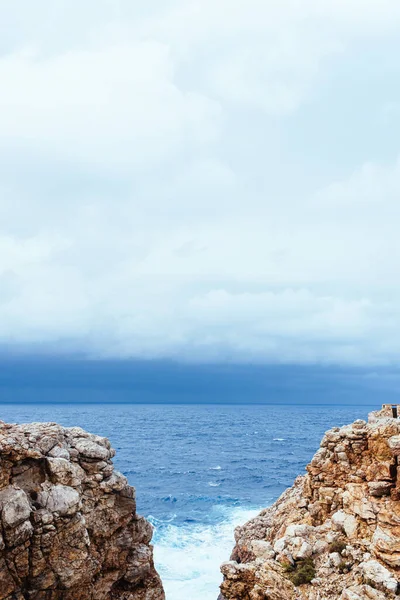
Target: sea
point(200, 470)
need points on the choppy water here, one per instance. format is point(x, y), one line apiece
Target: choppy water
point(200, 470)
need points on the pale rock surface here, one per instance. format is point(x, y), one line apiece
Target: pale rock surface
point(362, 592)
point(344, 515)
point(68, 523)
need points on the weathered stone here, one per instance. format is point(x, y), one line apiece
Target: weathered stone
point(7, 583)
point(394, 444)
point(59, 452)
point(15, 507)
point(19, 534)
point(59, 498)
point(65, 472)
point(116, 482)
point(380, 471)
point(265, 582)
point(90, 449)
point(380, 488)
point(69, 533)
point(386, 545)
point(344, 515)
point(345, 522)
point(362, 592)
point(262, 549)
point(380, 576)
point(305, 551)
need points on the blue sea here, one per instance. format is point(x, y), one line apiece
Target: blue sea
point(200, 470)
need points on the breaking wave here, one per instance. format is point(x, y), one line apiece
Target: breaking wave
point(188, 555)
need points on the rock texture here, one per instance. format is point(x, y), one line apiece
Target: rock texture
point(341, 520)
point(69, 528)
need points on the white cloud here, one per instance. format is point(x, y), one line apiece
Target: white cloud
point(150, 204)
point(114, 106)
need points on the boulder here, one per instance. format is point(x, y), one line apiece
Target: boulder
point(380, 575)
point(15, 507)
point(62, 499)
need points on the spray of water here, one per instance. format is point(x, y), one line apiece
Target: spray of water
point(188, 556)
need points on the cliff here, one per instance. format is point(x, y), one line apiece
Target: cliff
point(336, 533)
point(69, 528)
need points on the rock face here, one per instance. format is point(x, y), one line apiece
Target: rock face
point(336, 533)
point(69, 528)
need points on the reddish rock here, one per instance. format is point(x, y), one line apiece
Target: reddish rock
point(343, 517)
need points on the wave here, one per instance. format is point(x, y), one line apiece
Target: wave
point(217, 468)
point(188, 556)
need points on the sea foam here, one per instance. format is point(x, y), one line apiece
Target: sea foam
point(188, 556)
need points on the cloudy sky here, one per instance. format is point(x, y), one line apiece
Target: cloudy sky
point(204, 180)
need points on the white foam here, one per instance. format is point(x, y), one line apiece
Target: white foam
point(217, 468)
point(279, 439)
point(188, 557)
point(213, 484)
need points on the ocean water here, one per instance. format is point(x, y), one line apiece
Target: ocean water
point(200, 470)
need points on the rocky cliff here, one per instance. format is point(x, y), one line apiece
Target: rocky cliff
point(69, 528)
point(336, 533)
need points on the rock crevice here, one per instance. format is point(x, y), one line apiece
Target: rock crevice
point(336, 533)
point(68, 523)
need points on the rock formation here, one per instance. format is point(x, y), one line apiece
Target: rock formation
point(69, 528)
point(336, 533)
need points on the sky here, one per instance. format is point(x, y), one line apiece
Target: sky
point(204, 181)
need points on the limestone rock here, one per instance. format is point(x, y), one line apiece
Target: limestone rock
point(64, 472)
point(362, 592)
point(379, 575)
point(346, 522)
point(265, 582)
point(61, 499)
point(15, 507)
point(336, 532)
point(69, 528)
point(91, 449)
